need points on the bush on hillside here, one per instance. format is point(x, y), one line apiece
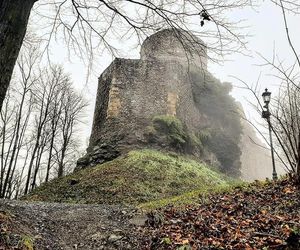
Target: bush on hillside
point(176, 134)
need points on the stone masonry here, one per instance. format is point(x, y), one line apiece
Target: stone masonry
point(131, 92)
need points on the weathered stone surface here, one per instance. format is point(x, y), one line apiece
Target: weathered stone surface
point(99, 154)
point(132, 92)
point(175, 45)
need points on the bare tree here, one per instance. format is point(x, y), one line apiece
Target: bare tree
point(26, 63)
point(55, 116)
point(286, 126)
point(285, 115)
point(44, 94)
point(39, 116)
point(7, 136)
point(21, 177)
point(73, 106)
point(87, 25)
point(58, 109)
point(39, 156)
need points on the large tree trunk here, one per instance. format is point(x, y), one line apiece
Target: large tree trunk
point(14, 15)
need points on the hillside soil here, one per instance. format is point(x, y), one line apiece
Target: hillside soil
point(259, 216)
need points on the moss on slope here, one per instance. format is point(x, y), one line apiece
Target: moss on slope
point(138, 177)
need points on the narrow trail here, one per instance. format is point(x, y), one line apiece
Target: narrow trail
point(67, 226)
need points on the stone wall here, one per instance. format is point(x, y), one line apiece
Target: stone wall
point(172, 45)
point(132, 92)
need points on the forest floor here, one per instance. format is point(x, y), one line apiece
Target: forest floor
point(258, 216)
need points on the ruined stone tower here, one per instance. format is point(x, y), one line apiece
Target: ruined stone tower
point(131, 92)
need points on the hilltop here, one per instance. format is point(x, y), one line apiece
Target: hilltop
point(138, 177)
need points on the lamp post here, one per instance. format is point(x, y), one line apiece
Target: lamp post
point(266, 115)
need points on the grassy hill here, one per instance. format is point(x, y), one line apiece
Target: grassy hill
point(138, 177)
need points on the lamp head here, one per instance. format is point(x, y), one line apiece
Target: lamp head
point(266, 96)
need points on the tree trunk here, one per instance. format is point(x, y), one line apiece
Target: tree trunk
point(37, 165)
point(10, 170)
point(50, 156)
point(31, 165)
point(298, 161)
point(14, 15)
point(60, 172)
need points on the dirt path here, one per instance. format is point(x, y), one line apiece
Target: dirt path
point(66, 226)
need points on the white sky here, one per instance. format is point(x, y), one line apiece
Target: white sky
point(266, 28)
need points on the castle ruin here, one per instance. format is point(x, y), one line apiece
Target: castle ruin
point(133, 91)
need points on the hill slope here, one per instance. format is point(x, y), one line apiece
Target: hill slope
point(260, 216)
point(139, 176)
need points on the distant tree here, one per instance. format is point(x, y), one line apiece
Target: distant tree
point(7, 138)
point(73, 106)
point(286, 126)
point(87, 25)
point(23, 110)
point(55, 117)
point(40, 101)
point(57, 111)
point(44, 94)
point(21, 99)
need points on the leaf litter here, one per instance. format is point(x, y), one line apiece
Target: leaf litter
point(261, 216)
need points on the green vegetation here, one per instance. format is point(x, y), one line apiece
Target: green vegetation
point(170, 129)
point(27, 242)
point(138, 177)
point(194, 197)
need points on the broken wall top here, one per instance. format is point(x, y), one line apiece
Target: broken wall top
point(178, 45)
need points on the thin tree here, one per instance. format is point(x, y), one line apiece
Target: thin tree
point(7, 136)
point(73, 106)
point(56, 113)
point(26, 64)
point(39, 156)
point(286, 126)
point(44, 94)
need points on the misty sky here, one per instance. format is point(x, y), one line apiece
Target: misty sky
point(266, 32)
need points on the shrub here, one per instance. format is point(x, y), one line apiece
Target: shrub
point(172, 128)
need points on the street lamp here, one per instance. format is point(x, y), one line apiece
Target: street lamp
point(266, 115)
